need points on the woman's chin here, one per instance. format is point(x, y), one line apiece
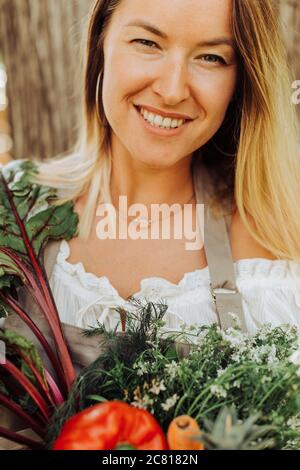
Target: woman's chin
point(157, 163)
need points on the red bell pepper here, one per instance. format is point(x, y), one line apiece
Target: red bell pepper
point(110, 425)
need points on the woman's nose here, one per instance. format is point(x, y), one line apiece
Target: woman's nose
point(172, 83)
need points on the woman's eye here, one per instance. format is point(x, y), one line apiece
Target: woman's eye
point(211, 58)
point(215, 59)
point(145, 42)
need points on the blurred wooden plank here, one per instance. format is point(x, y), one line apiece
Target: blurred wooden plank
point(40, 43)
point(290, 14)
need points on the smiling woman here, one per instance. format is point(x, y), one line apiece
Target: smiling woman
point(192, 74)
point(184, 102)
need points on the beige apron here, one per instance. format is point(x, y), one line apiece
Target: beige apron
point(221, 268)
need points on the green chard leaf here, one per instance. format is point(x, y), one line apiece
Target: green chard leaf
point(30, 215)
point(26, 210)
point(14, 341)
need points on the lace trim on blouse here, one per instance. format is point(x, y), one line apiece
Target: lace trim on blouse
point(270, 290)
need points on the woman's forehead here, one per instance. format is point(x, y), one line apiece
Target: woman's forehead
point(201, 19)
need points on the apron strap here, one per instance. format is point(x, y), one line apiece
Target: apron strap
point(49, 255)
point(226, 296)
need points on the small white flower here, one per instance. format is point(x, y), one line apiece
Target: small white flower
point(294, 423)
point(266, 379)
point(263, 332)
point(236, 357)
point(221, 372)
point(236, 320)
point(234, 336)
point(266, 353)
point(143, 402)
point(170, 402)
point(237, 383)
point(171, 369)
point(157, 387)
point(142, 368)
point(295, 358)
point(272, 355)
point(201, 336)
point(218, 391)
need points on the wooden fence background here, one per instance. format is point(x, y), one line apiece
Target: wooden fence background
point(290, 13)
point(40, 42)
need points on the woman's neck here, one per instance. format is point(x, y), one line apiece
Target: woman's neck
point(147, 185)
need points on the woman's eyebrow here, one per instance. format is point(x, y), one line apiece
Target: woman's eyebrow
point(154, 30)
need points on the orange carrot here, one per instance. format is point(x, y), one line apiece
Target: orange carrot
point(181, 433)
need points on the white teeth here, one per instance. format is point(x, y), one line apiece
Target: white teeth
point(168, 122)
point(150, 118)
point(176, 123)
point(159, 121)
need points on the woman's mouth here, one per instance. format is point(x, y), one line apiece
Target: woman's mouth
point(159, 125)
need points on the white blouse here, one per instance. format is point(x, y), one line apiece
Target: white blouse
point(270, 291)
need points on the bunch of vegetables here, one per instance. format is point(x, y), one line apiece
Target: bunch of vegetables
point(118, 426)
point(242, 391)
point(230, 391)
point(29, 218)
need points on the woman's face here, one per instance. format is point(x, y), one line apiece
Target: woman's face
point(187, 67)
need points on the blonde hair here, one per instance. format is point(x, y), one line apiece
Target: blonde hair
point(253, 158)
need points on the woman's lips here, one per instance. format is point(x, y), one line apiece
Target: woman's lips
point(159, 130)
point(164, 114)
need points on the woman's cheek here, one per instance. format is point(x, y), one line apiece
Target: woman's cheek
point(128, 74)
point(226, 85)
point(215, 93)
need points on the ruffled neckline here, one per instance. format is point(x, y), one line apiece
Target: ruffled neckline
point(245, 270)
point(189, 280)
